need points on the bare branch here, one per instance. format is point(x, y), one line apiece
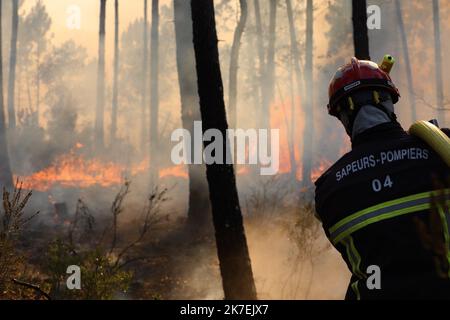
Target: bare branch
point(32, 286)
point(117, 209)
point(150, 217)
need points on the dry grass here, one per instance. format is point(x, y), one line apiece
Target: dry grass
point(13, 221)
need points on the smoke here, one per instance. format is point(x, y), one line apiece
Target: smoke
point(67, 81)
point(281, 269)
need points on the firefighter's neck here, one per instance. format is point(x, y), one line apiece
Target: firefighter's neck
point(368, 117)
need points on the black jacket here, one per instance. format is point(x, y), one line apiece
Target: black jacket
point(377, 210)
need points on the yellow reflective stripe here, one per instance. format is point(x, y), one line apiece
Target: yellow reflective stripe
point(356, 289)
point(380, 206)
point(401, 206)
point(379, 218)
point(353, 257)
point(443, 216)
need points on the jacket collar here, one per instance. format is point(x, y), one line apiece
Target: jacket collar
point(380, 132)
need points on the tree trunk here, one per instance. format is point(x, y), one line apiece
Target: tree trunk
point(30, 99)
point(289, 125)
point(154, 91)
point(309, 115)
point(438, 59)
point(405, 46)
point(234, 63)
point(269, 74)
point(291, 128)
point(360, 32)
point(38, 85)
point(12, 64)
point(116, 75)
point(255, 77)
point(234, 260)
point(99, 111)
point(261, 57)
point(144, 131)
point(295, 59)
point(5, 169)
point(295, 52)
point(198, 207)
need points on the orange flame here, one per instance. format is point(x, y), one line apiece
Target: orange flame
point(74, 171)
point(178, 171)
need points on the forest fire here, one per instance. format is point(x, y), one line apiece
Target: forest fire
point(72, 170)
point(75, 171)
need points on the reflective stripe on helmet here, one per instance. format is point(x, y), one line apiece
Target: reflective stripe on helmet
point(386, 210)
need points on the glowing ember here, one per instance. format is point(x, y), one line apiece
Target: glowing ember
point(176, 171)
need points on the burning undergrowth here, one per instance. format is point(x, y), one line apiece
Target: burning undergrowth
point(75, 170)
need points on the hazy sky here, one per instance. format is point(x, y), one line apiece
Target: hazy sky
point(130, 10)
point(88, 33)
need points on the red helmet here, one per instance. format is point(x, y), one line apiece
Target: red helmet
point(354, 76)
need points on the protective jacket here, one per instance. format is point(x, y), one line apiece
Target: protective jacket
point(385, 208)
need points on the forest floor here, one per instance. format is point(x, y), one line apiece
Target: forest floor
point(291, 258)
point(185, 266)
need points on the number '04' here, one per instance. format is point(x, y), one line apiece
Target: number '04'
point(378, 184)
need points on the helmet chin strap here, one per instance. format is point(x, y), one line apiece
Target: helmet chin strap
point(366, 110)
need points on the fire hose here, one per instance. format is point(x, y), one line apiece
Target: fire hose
point(434, 137)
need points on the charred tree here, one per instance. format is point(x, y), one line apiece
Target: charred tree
point(309, 118)
point(116, 74)
point(269, 70)
point(360, 32)
point(198, 206)
point(5, 169)
point(234, 63)
point(438, 59)
point(99, 111)
point(234, 260)
point(154, 91)
point(405, 48)
point(12, 64)
point(144, 80)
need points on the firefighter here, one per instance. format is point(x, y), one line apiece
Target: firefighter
point(384, 205)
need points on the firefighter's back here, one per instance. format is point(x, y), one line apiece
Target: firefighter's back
point(385, 205)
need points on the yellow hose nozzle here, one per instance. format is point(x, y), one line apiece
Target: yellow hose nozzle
point(387, 63)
